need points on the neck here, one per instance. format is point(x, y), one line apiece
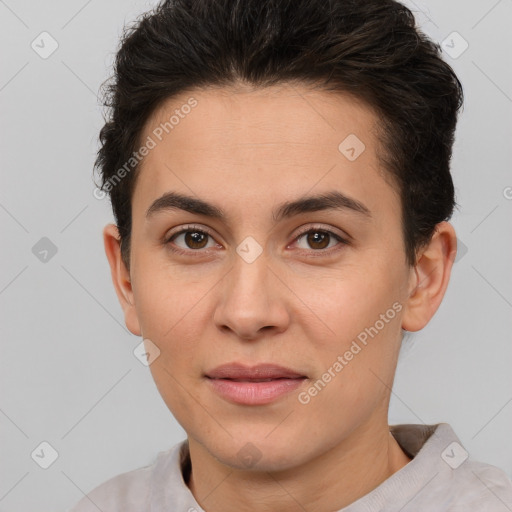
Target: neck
point(331, 481)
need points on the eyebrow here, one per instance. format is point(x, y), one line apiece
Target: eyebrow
point(333, 200)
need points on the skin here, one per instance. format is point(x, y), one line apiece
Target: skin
point(248, 150)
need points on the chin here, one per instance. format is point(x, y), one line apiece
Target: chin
point(258, 452)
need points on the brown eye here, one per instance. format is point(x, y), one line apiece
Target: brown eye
point(320, 241)
point(190, 239)
point(195, 239)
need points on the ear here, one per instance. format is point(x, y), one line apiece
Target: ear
point(429, 278)
point(121, 278)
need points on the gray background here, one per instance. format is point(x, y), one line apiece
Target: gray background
point(68, 373)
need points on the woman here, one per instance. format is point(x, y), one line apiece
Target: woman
point(279, 175)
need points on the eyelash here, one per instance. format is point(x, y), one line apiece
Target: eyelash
point(312, 229)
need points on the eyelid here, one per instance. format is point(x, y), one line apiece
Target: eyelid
point(183, 229)
point(343, 239)
point(187, 227)
point(319, 227)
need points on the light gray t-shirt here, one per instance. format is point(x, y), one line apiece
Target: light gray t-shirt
point(440, 478)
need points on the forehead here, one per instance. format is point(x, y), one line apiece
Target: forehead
point(260, 118)
point(273, 143)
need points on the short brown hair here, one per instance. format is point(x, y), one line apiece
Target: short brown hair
point(369, 48)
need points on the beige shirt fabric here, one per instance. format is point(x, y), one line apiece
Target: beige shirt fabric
point(440, 478)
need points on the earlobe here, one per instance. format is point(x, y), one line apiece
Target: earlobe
point(121, 277)
point(429, 278)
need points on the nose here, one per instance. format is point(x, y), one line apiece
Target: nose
point(252, 300)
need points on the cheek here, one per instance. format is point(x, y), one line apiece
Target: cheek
point(362, 311)
point(167, 297)
point(357, 368)
point(343, 303)
point(173, 322)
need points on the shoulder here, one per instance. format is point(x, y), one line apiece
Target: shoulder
point(442, 476)
point(459, 482)
point(479, 486)
point(127, 492)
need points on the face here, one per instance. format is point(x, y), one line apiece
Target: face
point(318, 287)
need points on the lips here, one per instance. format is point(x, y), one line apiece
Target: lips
point(253, 385)
point(260, 373)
